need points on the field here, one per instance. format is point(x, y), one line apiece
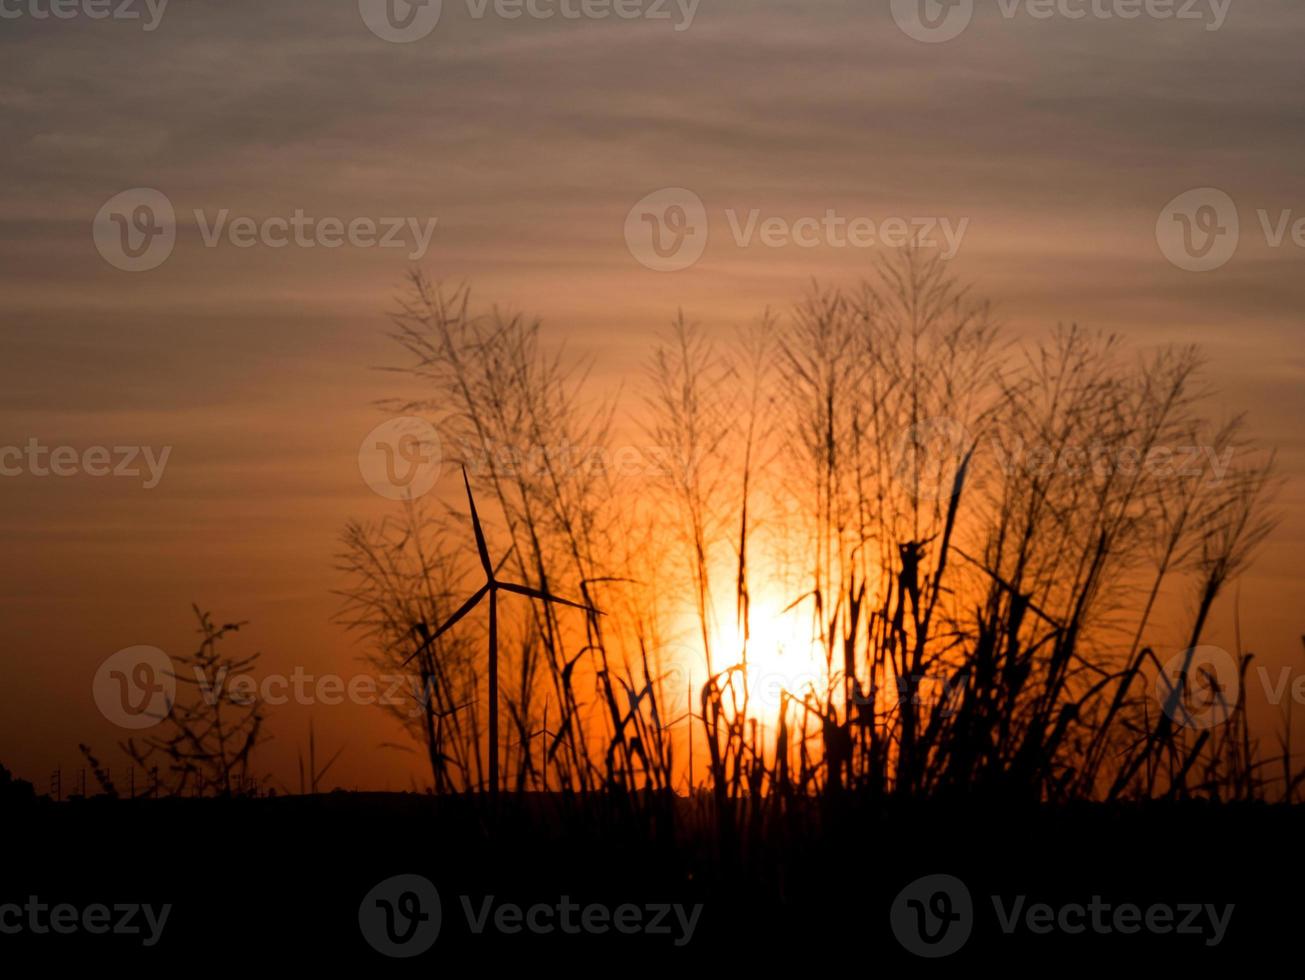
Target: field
point(280, 881)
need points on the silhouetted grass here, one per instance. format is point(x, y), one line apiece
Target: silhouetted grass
point(980, 610)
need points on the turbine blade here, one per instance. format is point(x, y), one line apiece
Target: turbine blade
point(525, 590)
point(503, 560)
point(480, 534)
point(451, 621)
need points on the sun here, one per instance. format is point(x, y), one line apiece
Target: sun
point(783, 656)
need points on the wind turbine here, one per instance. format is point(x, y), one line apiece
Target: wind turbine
point(491, 588)
point(688, 715)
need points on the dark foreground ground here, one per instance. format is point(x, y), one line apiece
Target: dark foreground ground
point(326, 881)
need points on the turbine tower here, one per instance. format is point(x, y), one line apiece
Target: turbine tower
point(491, 588)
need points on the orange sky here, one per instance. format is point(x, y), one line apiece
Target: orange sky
point(1059, 141)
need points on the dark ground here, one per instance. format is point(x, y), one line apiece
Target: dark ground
point(272, 882)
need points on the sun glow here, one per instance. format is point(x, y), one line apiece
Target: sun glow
point(782, 658)
point(784, 654)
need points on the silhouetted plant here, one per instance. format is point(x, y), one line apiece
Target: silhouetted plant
point(208, 739)
point(955, 517)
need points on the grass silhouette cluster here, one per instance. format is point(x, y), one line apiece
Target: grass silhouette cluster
point(974, 534)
